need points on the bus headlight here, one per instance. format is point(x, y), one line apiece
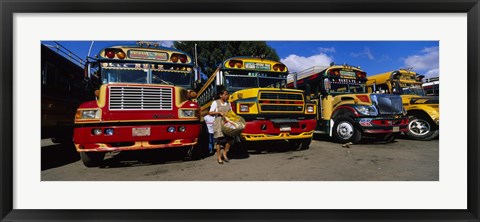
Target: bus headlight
point(367, 110)
point(244, 108)
point(310, 108)
point(88, 114)
point(187, 113)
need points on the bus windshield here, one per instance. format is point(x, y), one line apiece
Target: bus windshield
point(271, 82)
point(413, 90)
point(171, 78)
point(347, 86)
point(241, 80)
point(122, 75)
point(142, 76)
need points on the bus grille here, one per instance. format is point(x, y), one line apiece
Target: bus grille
point(140, 98)
point(281, 102)
point(281, 96)
point(276, 108)
point(389, 104)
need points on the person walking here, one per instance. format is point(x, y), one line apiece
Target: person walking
point(209, 119)
point(218, 109)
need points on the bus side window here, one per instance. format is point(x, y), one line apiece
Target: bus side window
point(383, 88)
point(316, 91)
point(308, 90)
point(50, 78)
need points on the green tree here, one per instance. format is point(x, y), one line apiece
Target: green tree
point(210, 54)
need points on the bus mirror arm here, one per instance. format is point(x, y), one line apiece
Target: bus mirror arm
point(295, 80)
point(88, 67)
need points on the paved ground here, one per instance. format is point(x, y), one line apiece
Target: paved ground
point(403, 160)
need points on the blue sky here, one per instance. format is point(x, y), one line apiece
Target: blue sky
point(372, 56)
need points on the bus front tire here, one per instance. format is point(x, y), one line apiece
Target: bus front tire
point(301, 144)
point(239, 150)
point(421, 128)
point(92, 159)
point(390, 137)
point(344, 131)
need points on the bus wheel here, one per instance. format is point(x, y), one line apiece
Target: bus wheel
point(61, 140)
point(421, 128)
point(92, 159)
point(344, 131)
point(389, 138)
point(197, 152)
point(239, 150)
point(301, 144)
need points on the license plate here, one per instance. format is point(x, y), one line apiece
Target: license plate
point(141, 131)
point(285, 128)
point(396, 129)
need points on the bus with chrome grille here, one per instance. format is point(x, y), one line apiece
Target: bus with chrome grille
point(144, 101)
point(422, 111)
point(346, 112)
point(258, 94)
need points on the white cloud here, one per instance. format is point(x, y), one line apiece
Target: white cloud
point(432, 73)
point(427, 61)
point(298, 63)
point(325, 50)
point(366, 53)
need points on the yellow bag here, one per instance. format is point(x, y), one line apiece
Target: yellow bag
point(233, 124)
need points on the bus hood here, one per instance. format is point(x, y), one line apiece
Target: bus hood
point(414, 99)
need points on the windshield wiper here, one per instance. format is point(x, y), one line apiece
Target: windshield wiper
point(167, 82)
point(163, 81)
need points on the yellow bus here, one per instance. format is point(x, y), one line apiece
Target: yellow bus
point(345, 110)
point(422, 111)
point(258, 94)
point(144, 101)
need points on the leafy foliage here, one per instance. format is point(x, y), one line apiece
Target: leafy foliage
point(212, 53)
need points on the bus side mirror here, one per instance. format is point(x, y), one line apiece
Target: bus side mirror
point(307, 90)
point(327, 85)
point(87, 68)
point(397, 89)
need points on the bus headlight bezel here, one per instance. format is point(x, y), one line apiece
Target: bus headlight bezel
point(310, 109)
point(89, 114)
point(367, 110)
point(187, 113)
point(244, 108)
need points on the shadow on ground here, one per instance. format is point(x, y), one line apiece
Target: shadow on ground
point(57, 155)
point(145, 157)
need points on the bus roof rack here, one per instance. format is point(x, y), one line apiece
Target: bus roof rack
point(432, 79)
point(148, 44)
point(307, 72)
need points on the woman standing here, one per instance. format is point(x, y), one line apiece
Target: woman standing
point(218, 109)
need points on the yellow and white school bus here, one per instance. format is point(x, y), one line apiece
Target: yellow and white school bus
point(423, 111)
point(346, 111)
point(258, 94)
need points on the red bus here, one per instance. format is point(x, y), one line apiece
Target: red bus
point(144, 101)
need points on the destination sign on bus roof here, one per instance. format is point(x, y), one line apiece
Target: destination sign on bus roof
point(257, 66)
point(144, 66)
point(347, 74)
point(347, 81)
point(138, 54)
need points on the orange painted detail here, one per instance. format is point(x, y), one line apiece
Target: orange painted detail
point(139, 145)
point(363, 98)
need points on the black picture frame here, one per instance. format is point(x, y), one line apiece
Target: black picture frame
point(10, 7)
